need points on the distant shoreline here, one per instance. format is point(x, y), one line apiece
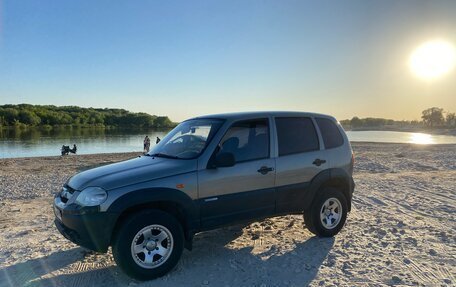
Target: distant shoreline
point(105, 155)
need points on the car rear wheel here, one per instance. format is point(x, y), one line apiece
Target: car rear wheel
point(148, 244)
point(327, 214)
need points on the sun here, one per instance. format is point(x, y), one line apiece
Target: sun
point(433, 59)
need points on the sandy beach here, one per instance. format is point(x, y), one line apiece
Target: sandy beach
point(401, 231)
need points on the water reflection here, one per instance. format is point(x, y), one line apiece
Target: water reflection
point(38, 142)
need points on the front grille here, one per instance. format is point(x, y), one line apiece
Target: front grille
point(66, 193)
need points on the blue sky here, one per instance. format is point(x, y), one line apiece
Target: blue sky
point(187, 58)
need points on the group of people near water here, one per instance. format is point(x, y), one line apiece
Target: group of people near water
point(147, 144)
point(66, 149)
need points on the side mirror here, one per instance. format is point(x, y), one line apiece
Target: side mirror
point(224, 159)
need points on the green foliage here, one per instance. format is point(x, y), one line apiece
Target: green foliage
point(163, 122)
point(24, 115)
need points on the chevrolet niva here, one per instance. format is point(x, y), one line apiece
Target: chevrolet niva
point(209, 172)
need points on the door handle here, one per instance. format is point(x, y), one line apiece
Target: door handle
point(319, 162)
point(264, 170)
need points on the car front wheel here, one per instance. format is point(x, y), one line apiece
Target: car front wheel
point(148, 244)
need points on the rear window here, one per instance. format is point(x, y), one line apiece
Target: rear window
point(296, 135)
point(330, 133)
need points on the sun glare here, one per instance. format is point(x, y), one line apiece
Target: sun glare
point(419, 138)
point(433, 59)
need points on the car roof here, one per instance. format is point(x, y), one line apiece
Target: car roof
point(242, 115)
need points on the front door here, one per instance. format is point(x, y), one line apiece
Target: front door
point(246, 190)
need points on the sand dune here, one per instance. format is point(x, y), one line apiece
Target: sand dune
point(401, 231)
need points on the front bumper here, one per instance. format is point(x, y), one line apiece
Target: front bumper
point(91, 230)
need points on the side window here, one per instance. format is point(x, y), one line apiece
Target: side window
point(247, 140)
point(296, 135)
point(330, 133)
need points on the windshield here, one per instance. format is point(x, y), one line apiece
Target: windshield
point(187, 140)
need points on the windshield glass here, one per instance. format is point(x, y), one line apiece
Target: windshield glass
point(187, 140)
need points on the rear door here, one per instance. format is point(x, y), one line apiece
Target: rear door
point(245, 190)
point(299, 160)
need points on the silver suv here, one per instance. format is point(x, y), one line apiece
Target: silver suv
point(209, 172)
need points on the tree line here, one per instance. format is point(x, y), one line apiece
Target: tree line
point(431, 118)
point(25, 115)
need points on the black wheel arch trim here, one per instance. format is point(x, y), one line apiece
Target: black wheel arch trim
point(336, 177)
point(159, 195)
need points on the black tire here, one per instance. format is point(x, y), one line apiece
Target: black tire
point(128, 231)
point(312, 215)
point(308, 221)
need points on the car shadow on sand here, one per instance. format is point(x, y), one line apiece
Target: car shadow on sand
point(22, 274)
point(214, 261)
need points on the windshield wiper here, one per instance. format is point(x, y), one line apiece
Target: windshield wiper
point(163, 155)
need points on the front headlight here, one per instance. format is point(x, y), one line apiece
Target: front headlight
point(91, 196)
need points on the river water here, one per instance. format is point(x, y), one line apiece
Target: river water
point(32, 142)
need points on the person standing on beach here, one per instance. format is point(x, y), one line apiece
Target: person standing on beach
point(146, 144)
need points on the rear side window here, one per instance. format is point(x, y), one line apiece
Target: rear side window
point(330, 133)
point(296, 135)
